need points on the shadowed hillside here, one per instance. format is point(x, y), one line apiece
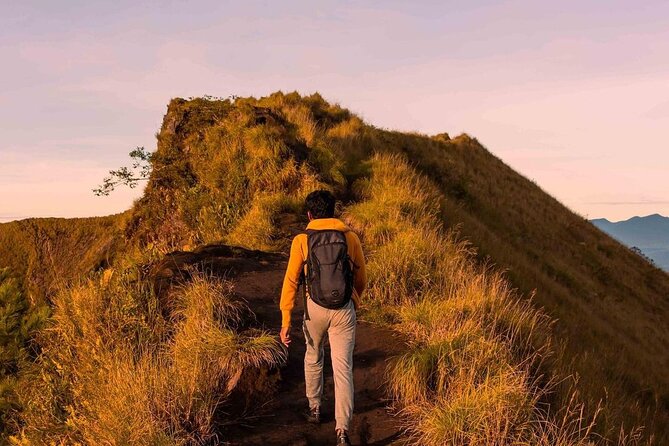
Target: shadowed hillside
point(612, 306)
point(50, 252)
point(485, 364)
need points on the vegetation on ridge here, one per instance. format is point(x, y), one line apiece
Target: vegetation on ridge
point(471, 375)
point(487, 366)
point(114, 370)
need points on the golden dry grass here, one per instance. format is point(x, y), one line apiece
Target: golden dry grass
point(113, 371)
point(471, 374)
point(488, 364)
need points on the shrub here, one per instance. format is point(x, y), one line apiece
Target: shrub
point(114, 372)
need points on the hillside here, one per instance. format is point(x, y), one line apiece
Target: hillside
point(611, 306)
point(485, 364)
point(49, 252)
point(650, 234)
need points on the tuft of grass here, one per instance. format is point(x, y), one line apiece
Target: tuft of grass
point(114, 372)
point(258, 228)
point(496, 411)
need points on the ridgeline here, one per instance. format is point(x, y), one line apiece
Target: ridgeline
point(517, 321)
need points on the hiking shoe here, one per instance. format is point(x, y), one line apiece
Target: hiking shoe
point(314, 415)
point(342, 438)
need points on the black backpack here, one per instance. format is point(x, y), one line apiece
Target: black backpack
point(329, 276)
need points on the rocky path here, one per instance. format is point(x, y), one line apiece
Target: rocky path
point(257, 278)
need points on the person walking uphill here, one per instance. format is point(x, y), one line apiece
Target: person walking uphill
point(329, 261)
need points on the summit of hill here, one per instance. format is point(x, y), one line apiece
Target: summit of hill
point(518, 321)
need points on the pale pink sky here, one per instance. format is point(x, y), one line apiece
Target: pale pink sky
point(573, 94)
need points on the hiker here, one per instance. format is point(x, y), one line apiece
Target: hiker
point(328, 261)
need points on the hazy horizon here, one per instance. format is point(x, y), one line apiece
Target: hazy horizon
point(574, 96)
point(8, 218)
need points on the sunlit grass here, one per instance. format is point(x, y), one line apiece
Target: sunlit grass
point(467, 377)
point(484, 366)
point(114, 372)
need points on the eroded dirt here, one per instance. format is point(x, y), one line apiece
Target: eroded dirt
point(257, 278)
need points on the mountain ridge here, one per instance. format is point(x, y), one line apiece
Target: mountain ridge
point(236, 171)
point(650, 234)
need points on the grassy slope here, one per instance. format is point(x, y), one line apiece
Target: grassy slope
point(234, 172)
point(612, 307)
point(472, 373)
point(49, 252)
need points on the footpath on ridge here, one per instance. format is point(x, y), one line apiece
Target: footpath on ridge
point(257, 277)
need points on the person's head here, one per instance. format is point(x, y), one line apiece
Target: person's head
point(320, 204)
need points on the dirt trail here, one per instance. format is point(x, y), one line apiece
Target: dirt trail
point(257, 278)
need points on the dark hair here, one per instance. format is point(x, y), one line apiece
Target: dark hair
point(321, 204)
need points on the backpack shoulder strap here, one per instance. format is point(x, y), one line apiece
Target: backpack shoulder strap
point(304, 262)
point(303, 280)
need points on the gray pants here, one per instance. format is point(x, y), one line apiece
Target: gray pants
point(340, 327)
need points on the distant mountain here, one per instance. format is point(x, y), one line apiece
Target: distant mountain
point(650, 234)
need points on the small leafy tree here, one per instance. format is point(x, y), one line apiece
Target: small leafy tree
point(128, 176)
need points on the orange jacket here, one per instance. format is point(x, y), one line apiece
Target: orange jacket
point(298, 255)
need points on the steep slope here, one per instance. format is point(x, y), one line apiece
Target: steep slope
point(612, 307)
point(650, 234)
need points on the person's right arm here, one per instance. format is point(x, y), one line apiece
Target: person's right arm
point(291, 281)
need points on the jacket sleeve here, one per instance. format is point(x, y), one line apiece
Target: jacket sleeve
point(359, 268)
point(291, 281)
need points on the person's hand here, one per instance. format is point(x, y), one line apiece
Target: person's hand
point(285, 335)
